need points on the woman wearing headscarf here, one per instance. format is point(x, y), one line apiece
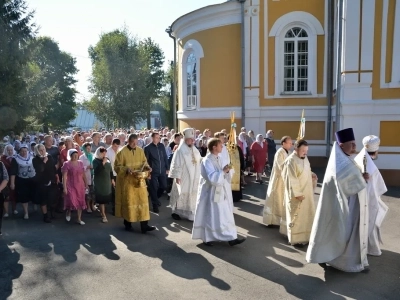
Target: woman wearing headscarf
point(9, 195)
point(246, 150)
point(74, 184)
point(87, 159)
point(68, 144)
point(259, 153)
point(103, 180)
point(45, 175)
point(21, 176)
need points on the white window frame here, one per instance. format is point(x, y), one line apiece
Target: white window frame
point(191, 46)
point(313, 27)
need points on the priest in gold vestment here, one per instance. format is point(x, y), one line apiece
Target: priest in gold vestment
point(131, 196)
point(299, 195)
point(274, 203)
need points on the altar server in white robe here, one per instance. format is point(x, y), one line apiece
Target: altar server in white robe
point(299, 196)
point(375, 189)
point(214, 220)
point(339, 236)
point(185, 169)
point(274, 203)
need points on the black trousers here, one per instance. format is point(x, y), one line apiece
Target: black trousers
point(157, 186)
point(129, 224)
point(1, 209)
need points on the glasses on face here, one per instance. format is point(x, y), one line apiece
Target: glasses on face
point(102, 150)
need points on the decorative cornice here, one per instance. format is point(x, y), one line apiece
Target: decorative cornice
point(207, 17)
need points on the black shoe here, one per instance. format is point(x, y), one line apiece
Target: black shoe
point(323, 266)
point(156, 210)
point(147, 228)
point(176, 217)
point(129, 228)
point(46, 218)
point(236, 242)
point(208, 244)
point(299, 245)
point(158, 203)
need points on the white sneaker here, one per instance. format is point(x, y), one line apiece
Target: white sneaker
point(104, 220)
point(26, 217)
point(89, 210)
point(15, 212)
point(81, 223)
point(5, 215)
point(68, 218)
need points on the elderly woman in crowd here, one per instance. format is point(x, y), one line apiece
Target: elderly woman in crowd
point(103, 180)
point(9, 195)
point(259, 153)
point(3, 184)
point(45, 175)
point(87, 159)
point(68, 144)
point(21, 177)
point(242, 143)
point(74, 184)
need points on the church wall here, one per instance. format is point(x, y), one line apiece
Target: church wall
point(220, 75)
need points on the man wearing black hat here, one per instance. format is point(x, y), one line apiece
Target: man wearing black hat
point(339, 237)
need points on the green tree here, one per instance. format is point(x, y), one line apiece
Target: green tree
point(16, 30)
point(117, 79)
point(152, 60)
point(50, 84)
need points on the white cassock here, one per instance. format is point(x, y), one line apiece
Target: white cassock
point(297, 178)
point(214, 219)
point(274, 202)
point(377, 208)
point(339, 235)
point(185, 165)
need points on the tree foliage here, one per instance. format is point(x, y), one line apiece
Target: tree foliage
point(16, 30)
point(50, 84)
point(36, 77)
point(126, 77)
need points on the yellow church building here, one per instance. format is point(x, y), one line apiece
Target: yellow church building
point(277, 64)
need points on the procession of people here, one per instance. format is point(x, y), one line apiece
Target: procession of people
point(203, 177)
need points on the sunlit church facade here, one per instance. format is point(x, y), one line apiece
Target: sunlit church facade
point(285, 71)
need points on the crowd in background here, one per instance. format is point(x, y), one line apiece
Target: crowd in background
point(74, 171)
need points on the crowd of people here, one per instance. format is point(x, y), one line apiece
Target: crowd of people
point(203, 175)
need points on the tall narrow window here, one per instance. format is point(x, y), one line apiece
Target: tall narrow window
point(191, 78)
point(295, 62)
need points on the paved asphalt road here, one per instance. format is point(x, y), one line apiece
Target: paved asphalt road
point(102, 261)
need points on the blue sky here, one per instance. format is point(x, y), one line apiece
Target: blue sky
point(77, 24)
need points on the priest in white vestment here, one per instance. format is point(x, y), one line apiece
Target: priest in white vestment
point(185, 170)
point(339, 236)
point(273, 214)
point(375, 189)
point(214, 220)
point(299, 196)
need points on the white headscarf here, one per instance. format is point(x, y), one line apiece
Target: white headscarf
point(97, 153)
point(260, 140)
point(36, 150)
point(70, 152)
point(242, 138)
point(5, 153)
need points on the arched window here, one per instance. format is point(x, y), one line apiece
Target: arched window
point(295, 60)
point(296, 54)
point(191, 81)
point(192, 53)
